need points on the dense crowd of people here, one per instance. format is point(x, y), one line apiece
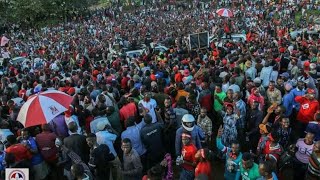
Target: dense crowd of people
point(253, 104)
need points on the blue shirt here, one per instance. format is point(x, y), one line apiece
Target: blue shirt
point(95, 93)
point(94, 123)
point(232, 171)
point(265, 75)
point(36, 158)
point(4, 133)
point(133, 133)
point(288, 101)
point(2, 166)
point(314, 127)
point(241, 106)
point(296, 92)
point(197, 135)
point(107, 138)
point(274, 177)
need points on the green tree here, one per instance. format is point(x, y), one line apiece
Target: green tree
point(35, 12)
point(27, 11)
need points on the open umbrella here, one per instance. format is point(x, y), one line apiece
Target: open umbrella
point(224, 12)
point(41, 108)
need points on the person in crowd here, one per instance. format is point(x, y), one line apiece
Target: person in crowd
point(313, 166)
point(219, 96)
point(187, 159)
point(254, 119)
point(266, 171)
point(132, 167)
point(4, 131)
point(76, 143)
point(188, 124)
point(107, 135)
point(192, 105)
point(256, 96)
point(298, 91)
point(39, 166)
point(133, 133)
point(99, 116)
point(314, 126)
point(233, 156)
point(180, 110)
point(169, 126)
point(304, 147)
point(100, 156)
point(273, 94)
point(150, 105)
point(308, 107)
point(205, 123)
point(19, 152)
point(203, 157)
point(248, 168)
point(230, 118)
point(240, 105)
point(79, 173)
point(152, 138)
point(69, 117)
point(285, 133)
point(288, 100)
point(113, 118)
point(128, 108)
point(269, 147)
point(274, 114)
point(59, 126)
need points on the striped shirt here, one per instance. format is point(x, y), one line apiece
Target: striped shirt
point(314, 166)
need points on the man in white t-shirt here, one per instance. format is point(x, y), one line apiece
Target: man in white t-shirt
point(149, 104)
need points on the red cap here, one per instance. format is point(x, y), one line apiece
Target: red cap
point(306, 64)
point(282, 49)
point(311, 91)
point(71, 91)
point(68, 113)
point(224, 61)
point(215, 53)
point(153, 77)
point(95, 72)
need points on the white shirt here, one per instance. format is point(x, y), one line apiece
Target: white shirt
point(151, 105)
point(73, 118)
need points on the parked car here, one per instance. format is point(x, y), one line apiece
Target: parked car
point(234, 37)
point(295, 34)
point(135, 53)
point(161, 48)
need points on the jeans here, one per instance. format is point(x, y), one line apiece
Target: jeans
point(186, 175)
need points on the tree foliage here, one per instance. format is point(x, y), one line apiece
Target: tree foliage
point(35, 12)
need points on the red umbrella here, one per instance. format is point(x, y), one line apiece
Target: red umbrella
point(224, 12)
point(41, 108)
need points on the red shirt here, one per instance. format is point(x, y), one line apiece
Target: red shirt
point(46, 145)
point(307, 109)
point(188, 154)
point(178, 77)
point(203, 168)
point(88, 120)
point(20, 152)
point(206, 101)
point(128, 110)
point(124, 82)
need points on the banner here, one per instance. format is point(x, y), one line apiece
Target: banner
point(199, 40)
